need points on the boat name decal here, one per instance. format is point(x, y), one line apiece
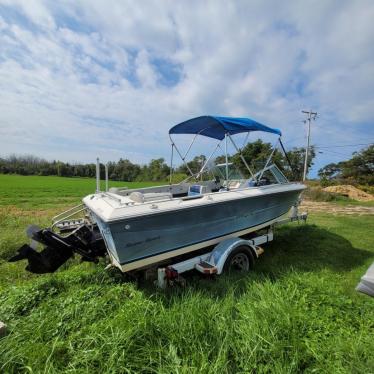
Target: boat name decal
point(147, 240)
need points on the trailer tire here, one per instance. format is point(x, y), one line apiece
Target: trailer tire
point(240, 259)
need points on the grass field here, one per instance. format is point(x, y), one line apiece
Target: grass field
point(296, 312)
point(34, 192)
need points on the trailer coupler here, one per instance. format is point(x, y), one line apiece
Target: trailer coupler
point(85, 241)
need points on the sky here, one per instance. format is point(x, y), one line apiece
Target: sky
point(86, 79)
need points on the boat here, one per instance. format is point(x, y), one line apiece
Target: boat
point(138, 228)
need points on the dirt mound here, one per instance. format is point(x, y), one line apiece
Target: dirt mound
point(350, 191)
point(324, 207)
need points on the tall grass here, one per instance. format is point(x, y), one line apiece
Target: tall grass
point(296, 312)
point(318, 194)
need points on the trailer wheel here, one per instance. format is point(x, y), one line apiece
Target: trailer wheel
point(240, 259)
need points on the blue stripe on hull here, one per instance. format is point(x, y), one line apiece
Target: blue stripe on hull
point(146, 236)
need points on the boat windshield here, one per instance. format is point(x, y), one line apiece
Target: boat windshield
point(270, 175)
point(234, 173)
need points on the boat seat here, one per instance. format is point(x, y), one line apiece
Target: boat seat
point(140, 197)
point(197, 189)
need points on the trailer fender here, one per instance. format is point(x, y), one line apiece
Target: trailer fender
point(223, 250)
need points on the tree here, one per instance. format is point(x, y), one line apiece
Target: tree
point(123, 170)
point(297, 159)
point(156, 170)
point(194, 165)
point(221, 159)
point(257, 153)
point(330, 171)
point(358, 169)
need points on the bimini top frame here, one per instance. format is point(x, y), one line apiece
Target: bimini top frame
point(217, 128)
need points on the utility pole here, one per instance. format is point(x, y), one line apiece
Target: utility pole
point(310, 116)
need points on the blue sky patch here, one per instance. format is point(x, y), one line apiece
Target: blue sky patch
point(13, 16)
point(170, 73)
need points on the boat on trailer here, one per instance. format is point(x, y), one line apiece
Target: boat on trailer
point(142, 227)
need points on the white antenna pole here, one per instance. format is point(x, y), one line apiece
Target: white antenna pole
point(171, 164)
point(106, 178)
point(97, 175)
point(311, 115)
point(227, 165)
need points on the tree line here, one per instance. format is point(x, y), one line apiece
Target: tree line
point(255, 153)
point(357, 170)
point(122, 170)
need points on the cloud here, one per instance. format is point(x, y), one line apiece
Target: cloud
point(80, 79)
point(33, 10)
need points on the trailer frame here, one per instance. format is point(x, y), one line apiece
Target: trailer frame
point(215, 261)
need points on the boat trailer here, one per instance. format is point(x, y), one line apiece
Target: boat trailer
point(236, 253)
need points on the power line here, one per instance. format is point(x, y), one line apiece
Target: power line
point(342, 145)
point(338, 153)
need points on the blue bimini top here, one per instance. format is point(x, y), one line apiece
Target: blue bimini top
point(217, 127)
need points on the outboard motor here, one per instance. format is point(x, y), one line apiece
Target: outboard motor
point(85, 240)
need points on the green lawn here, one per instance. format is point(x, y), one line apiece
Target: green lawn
point(346, 202)
point(296, 312)
point(44, 192)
